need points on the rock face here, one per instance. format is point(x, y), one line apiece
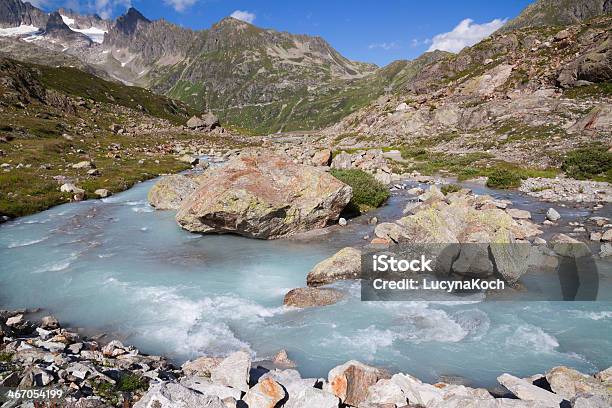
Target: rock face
point(311, 297)
point(170, 192)
point(263, 195)
point(344, 264)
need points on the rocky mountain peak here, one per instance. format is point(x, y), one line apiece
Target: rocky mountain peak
point(130, 21)
point(15, 12)
point(57, 28)
point(559, 12)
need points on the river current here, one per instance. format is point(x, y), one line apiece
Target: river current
point(118, 266)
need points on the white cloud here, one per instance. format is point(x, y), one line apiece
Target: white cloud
point(384, 45)
point(105, 8)
point(180, 5)
point(466, 34)
point(245, 16)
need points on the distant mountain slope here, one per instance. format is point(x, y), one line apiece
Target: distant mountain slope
point(559, 12)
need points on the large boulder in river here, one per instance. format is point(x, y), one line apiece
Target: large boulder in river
point(263, 195)
point(169, 192)
point(351, 380)
point(344, 264)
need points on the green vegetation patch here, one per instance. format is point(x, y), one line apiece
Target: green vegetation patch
point(588, 163)
point(503, 179)
point(368, 193)
point(449, 188)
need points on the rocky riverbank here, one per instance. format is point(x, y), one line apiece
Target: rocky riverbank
point(41, 353)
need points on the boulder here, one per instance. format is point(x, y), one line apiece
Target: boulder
point(207, 387)
point(49, 323)
point(170, 192)
point(86, 164)
point(417, 392)
point(312, 297)
point(529, 392)
point(568, 247)
point(344, 264)
point(172, 395)
point(384, 392)
point(552, 215)
point(350, 381)
point(189, 159)
point(311, 398)
point(569, 383)
point(291, 381)
point(71, 188)
point(342, 161)
point(194, 123)
point(263, 195)
point(201, 366)
point(519, 214)
point(265, 394)
point(102, 193)
point(322, 158)
point(233, 371)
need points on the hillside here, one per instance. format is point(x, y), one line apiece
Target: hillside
point(51, 119)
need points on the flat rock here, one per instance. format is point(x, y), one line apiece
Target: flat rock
point(344, 264)
point(170, 192)
point(529, 392)
point(312, 398)
point(312, 297)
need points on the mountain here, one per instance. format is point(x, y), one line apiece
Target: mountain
point(524, 96)
point(15, 12)
point(559, 12)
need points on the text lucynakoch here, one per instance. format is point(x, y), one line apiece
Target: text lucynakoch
point(443, 285)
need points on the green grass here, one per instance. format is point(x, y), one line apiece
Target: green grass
point(602, 89)
point(6, 357)
point(449, 188)
point(131, 382)
point(503, 179)
point(368, 193)
point(593, 162)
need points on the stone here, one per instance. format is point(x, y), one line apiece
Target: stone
point(569, 383)
point(113, 349)
point(350, 381)
point(172, 395)
point(93, 172)
point(595, 236)
point(263, 195)
point(102, 193)
point(322, 158)
point(189, 159)
point(265, 394)
point(233, 371)
point(606, 250)
point(605, 376)
point(552, 215)
point(194, 122)
point(344, 264)
point(342, 161)
point(50, 323)
point(86, 164)
point(342, 222)
point(282, 359)
point(202, 366)
point(312, 398)
point(529, 392)
point(170, 192)
point(15, 320)
point(385, 391)
point(71, 188)
point(590, 401)
point(312, 297)
point(607, 235)
point(568, 247)
point(511, 258)
point(207, 387)
point(519, 214)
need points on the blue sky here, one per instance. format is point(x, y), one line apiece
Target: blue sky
point(373, 31)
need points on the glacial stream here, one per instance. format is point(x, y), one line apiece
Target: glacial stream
point(117, 266)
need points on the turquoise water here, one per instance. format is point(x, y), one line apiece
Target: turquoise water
point(119, 267)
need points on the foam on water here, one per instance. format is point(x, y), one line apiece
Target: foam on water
point(117, 266)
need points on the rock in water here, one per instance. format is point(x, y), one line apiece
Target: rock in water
point(263, 195)
point(344, 264)
point(552, 215)
point(169, 192)
point(311, 297)
point(233, 371)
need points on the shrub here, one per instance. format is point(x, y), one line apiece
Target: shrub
point(131, 382)
point(502, 178)
point(587, 163)
point(6, 357)
point(368, 192)
point(449, 188)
